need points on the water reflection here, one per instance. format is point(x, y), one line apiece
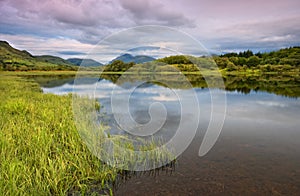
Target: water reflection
point(258, 151)
point(276, 84)
point(270, 106)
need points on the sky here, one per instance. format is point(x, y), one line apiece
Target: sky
point(71, 28)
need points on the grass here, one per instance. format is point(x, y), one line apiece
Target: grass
point(48, 73)
point(41, 151)
point(126, 152)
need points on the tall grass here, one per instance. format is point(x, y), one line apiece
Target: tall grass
point(41, 152)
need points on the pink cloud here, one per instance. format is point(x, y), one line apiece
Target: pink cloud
point(89, 21)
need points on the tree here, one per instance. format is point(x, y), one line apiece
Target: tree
point(246, 54)
point(259, 55)
point(242, 61)
point(118, 65)
point(223, 62)
point(234, 60)
point(179, 59)
point(253, 61)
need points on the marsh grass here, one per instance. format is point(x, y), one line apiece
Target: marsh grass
point(44, 151)
point(119, 151)
point(41, 151)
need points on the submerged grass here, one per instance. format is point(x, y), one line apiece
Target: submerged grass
point(41, 147)
point(121, 151)
point(41, 152)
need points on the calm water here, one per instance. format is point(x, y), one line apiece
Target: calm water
point(258, 151)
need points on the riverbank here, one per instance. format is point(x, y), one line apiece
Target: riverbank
point(41, 151)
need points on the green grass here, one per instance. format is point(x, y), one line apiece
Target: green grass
point(41, 150)
point(48, 73)
point(42, 153)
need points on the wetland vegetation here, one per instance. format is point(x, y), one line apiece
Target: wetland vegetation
point(41, 150)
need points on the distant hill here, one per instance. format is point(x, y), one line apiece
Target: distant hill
point(8, 52)
point(84, 62)
point(127, 58)
point(286, 56)
point(177, 59)
point(12, 59)
point(53, 59)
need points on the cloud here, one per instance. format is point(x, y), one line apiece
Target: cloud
point(260, 35)
point(220, 26)
point(48, 46)
point(71, 53)
point(87, 21)
point(144, 48)
point(272, 104)
point(154, 12)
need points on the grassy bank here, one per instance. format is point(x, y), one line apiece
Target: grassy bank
point(48, 73)
point(41, 151)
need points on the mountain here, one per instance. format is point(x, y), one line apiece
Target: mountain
point(126, 58)
point(84, 62)
point(7, 52)
point(13, 59)
point(53, 59)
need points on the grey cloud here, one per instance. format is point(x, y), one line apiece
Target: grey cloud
point(263, 35)
point(71, 53)
point(266, 28)
point(154, 12)
point(144, 48)
point(86, 13)
point(75, 18)
point(89, 21)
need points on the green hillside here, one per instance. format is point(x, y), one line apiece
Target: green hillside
point(53, 59)
point(285, 60)
point(12, 59)
point(84, 62)
point(287, 56)
point(128, 58)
